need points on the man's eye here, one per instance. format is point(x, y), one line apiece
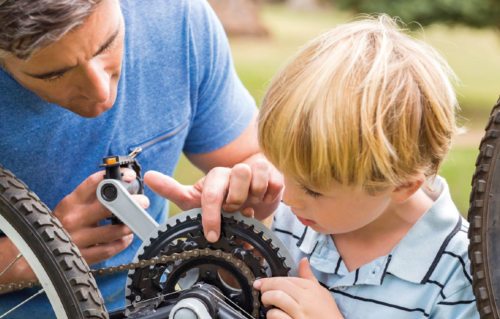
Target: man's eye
point(54, 77)
point(108, 47)
point(310, 192)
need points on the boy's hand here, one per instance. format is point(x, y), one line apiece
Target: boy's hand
point(254, 189)
point(297, 298)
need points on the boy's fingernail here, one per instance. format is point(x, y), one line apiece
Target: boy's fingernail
point(212, 236)
point(257, 284)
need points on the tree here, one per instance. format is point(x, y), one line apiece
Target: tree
point(475, 13)
point(303, 4)
point(240, 17)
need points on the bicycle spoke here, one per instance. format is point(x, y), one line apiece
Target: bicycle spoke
point(10, 265)
point(39, 292)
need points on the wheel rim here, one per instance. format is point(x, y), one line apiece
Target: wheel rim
point(36, 266)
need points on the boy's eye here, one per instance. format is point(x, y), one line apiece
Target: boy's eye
point(311, 192)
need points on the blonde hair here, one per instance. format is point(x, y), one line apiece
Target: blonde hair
point(363, 104)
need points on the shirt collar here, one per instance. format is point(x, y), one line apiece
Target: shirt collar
point(308, 241)
point(416, 255)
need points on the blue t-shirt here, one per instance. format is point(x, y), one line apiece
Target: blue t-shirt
point(178, 92)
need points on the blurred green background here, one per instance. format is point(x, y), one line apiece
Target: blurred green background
point(474, 54)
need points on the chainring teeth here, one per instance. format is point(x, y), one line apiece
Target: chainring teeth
point(187, 261)
point(184, 234)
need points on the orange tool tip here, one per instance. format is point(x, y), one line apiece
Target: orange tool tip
point(111, 160)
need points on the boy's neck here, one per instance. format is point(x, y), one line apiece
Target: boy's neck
point(379, 238)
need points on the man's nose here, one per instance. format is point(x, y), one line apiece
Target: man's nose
point(97, 82)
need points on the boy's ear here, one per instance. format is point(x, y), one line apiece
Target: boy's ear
point(403, 192)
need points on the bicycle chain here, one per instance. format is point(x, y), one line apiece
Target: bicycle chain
point(12, 287)
point(16, 286)
point(207, 252)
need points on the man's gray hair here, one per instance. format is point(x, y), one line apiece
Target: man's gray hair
point(29, 25)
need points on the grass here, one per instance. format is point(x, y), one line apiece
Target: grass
point(258, 59)
point(458, 169)
point(473, 54)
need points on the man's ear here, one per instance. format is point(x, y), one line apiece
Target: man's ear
point(406, 190)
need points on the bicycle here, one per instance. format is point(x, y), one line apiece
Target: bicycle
point(484, 217)
point(45, 245)
point(176, 273)
point(73, 292)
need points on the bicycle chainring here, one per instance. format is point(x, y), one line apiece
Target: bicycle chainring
point(245, 251)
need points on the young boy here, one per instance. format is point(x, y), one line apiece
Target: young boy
point(359, 123)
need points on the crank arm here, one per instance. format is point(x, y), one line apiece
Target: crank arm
point(113, 195)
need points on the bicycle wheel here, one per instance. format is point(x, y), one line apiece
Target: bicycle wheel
point(484, 219)
point(38, 235)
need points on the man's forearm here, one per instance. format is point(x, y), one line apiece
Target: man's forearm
point(12, 268)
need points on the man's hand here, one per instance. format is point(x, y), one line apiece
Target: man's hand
point(253, 187)
point(80, 213)
point(297, 298)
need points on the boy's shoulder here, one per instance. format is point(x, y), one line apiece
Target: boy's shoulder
point(453, 267)
point(435, 248)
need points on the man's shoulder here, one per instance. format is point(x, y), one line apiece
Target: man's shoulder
point(168, 23)
point(152, 10)
point(161, 15)
point(155, 5)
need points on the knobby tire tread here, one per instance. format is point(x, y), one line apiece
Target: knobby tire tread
point(484, 219)
point(52, 244)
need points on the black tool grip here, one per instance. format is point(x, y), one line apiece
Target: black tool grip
point(113, 166)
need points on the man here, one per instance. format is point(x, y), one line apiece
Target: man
point(83, 79)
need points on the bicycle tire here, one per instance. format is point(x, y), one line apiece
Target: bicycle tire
point(48, 249)
point(484, 219)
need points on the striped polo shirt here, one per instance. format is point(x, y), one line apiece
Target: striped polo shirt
point(425, 276)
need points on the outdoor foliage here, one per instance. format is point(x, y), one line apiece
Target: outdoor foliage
point(475, 13)
point(472, 54)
